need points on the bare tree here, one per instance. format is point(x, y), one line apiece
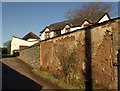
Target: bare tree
point(7, 45)
point(89, 10)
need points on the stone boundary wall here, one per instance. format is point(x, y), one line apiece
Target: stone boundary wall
point(31, 56)
point(84, 56)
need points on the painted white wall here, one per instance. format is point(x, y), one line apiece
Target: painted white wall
point(105, 18)
point(80, 27)
point(47, 30)
point(31, 39)
point(16, 42)
point(42, 37)
point(75, 28)
point(51, 34)
point(63, 30)
point(84, 23)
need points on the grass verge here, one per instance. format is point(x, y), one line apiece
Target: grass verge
point(51, 78)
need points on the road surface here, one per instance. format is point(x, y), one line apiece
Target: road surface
point(22, 68)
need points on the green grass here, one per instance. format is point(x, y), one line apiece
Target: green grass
point(51, 78)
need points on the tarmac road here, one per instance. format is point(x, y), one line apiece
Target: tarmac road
point(22, 69)
point(12, 80)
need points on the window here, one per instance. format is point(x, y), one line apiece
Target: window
point(47, 35)
point(67, 30)
point(58, 32)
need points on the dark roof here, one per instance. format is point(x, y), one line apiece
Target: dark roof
point(71, 23)
point(30, 35)
point(88, 27)
point(75, 22)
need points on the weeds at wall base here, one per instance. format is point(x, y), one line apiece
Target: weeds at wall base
point(51, 78)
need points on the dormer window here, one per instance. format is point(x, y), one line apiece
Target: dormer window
point(85, 25)
point(47, 35)
point(67, 30)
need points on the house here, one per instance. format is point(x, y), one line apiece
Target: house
point(59, 28)
point(22, 43)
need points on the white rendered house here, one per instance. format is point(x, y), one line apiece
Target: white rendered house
point(59, 28)
point(26, 41)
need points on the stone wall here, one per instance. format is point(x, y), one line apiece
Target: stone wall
point(84, 57)
point(31, 56)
